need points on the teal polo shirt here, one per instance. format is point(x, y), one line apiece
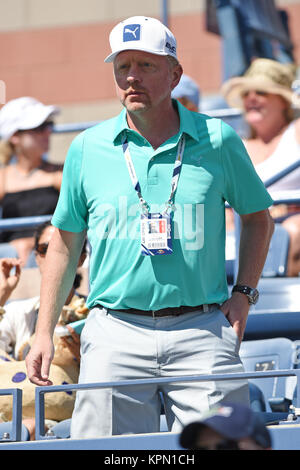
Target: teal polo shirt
point(97, 196)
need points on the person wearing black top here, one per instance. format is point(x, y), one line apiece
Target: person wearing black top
point(29, 185)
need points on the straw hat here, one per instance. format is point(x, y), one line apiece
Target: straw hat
point(262, 75)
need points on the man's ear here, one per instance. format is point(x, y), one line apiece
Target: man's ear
point(177, 73)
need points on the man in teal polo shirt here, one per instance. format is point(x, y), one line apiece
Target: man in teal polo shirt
point(149, 187)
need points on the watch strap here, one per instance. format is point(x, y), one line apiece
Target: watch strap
point(243, 289)
point(251, 292)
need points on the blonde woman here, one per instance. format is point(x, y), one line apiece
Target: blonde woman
point(29, 186)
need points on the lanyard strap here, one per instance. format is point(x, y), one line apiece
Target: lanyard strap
point(135, 181)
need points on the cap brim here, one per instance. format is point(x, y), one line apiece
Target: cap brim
point(113, 55)
point(39, 116)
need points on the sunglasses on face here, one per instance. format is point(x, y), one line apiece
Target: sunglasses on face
point(257, 92)
point(42, 248)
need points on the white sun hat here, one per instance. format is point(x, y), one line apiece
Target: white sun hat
point(22, 114)
point(142, 33)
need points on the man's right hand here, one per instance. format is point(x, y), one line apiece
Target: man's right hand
point(38, 361)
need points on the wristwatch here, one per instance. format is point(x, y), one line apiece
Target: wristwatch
point(250, 292)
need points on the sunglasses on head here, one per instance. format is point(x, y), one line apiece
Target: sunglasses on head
point(42, 248)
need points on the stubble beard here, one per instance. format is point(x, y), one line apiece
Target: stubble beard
point(135, 106)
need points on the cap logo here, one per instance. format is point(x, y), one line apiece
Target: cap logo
point(132, 32)
point(171, 48)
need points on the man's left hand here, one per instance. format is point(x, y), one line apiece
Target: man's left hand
point(236, 310)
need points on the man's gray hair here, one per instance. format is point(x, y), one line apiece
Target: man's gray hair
point(172, 61)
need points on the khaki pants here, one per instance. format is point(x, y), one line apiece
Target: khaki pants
point(119, 346)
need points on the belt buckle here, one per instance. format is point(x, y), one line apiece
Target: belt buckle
point(156, 316)
point(162, 315)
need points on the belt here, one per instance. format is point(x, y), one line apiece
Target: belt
point(164, 312)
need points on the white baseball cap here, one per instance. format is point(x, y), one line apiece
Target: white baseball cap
point(22, 114)
point(142, 34)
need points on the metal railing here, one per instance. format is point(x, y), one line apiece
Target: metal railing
point(41, 391)
point(16, 428)
point(19, 223)
point(78, 127)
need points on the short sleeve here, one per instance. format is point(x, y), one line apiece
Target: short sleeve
point(71, 210)
point(244, 190)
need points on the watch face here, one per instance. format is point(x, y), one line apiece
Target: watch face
point(253, 296)
point(250, 292)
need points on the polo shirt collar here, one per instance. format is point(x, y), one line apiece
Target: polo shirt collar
point(187, 123)
point(121, 125)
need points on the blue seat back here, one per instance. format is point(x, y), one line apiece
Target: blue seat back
point(6, 429)
point(276, 262)
point(268, 354)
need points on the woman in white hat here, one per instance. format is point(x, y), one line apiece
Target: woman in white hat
point(30, 186)
point(266, 97)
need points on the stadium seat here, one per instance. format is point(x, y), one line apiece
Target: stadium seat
point(271, 418)
point(61, 430)
point(271, 354)
point(257, 399)
point(163, 423)
point(276, 262)
point(229, 266)
point(6, 428)
point(297, 354)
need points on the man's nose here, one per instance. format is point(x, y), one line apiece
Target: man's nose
point(133, 74)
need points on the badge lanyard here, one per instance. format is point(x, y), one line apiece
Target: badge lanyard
point(135, 181)
point(156, 237)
